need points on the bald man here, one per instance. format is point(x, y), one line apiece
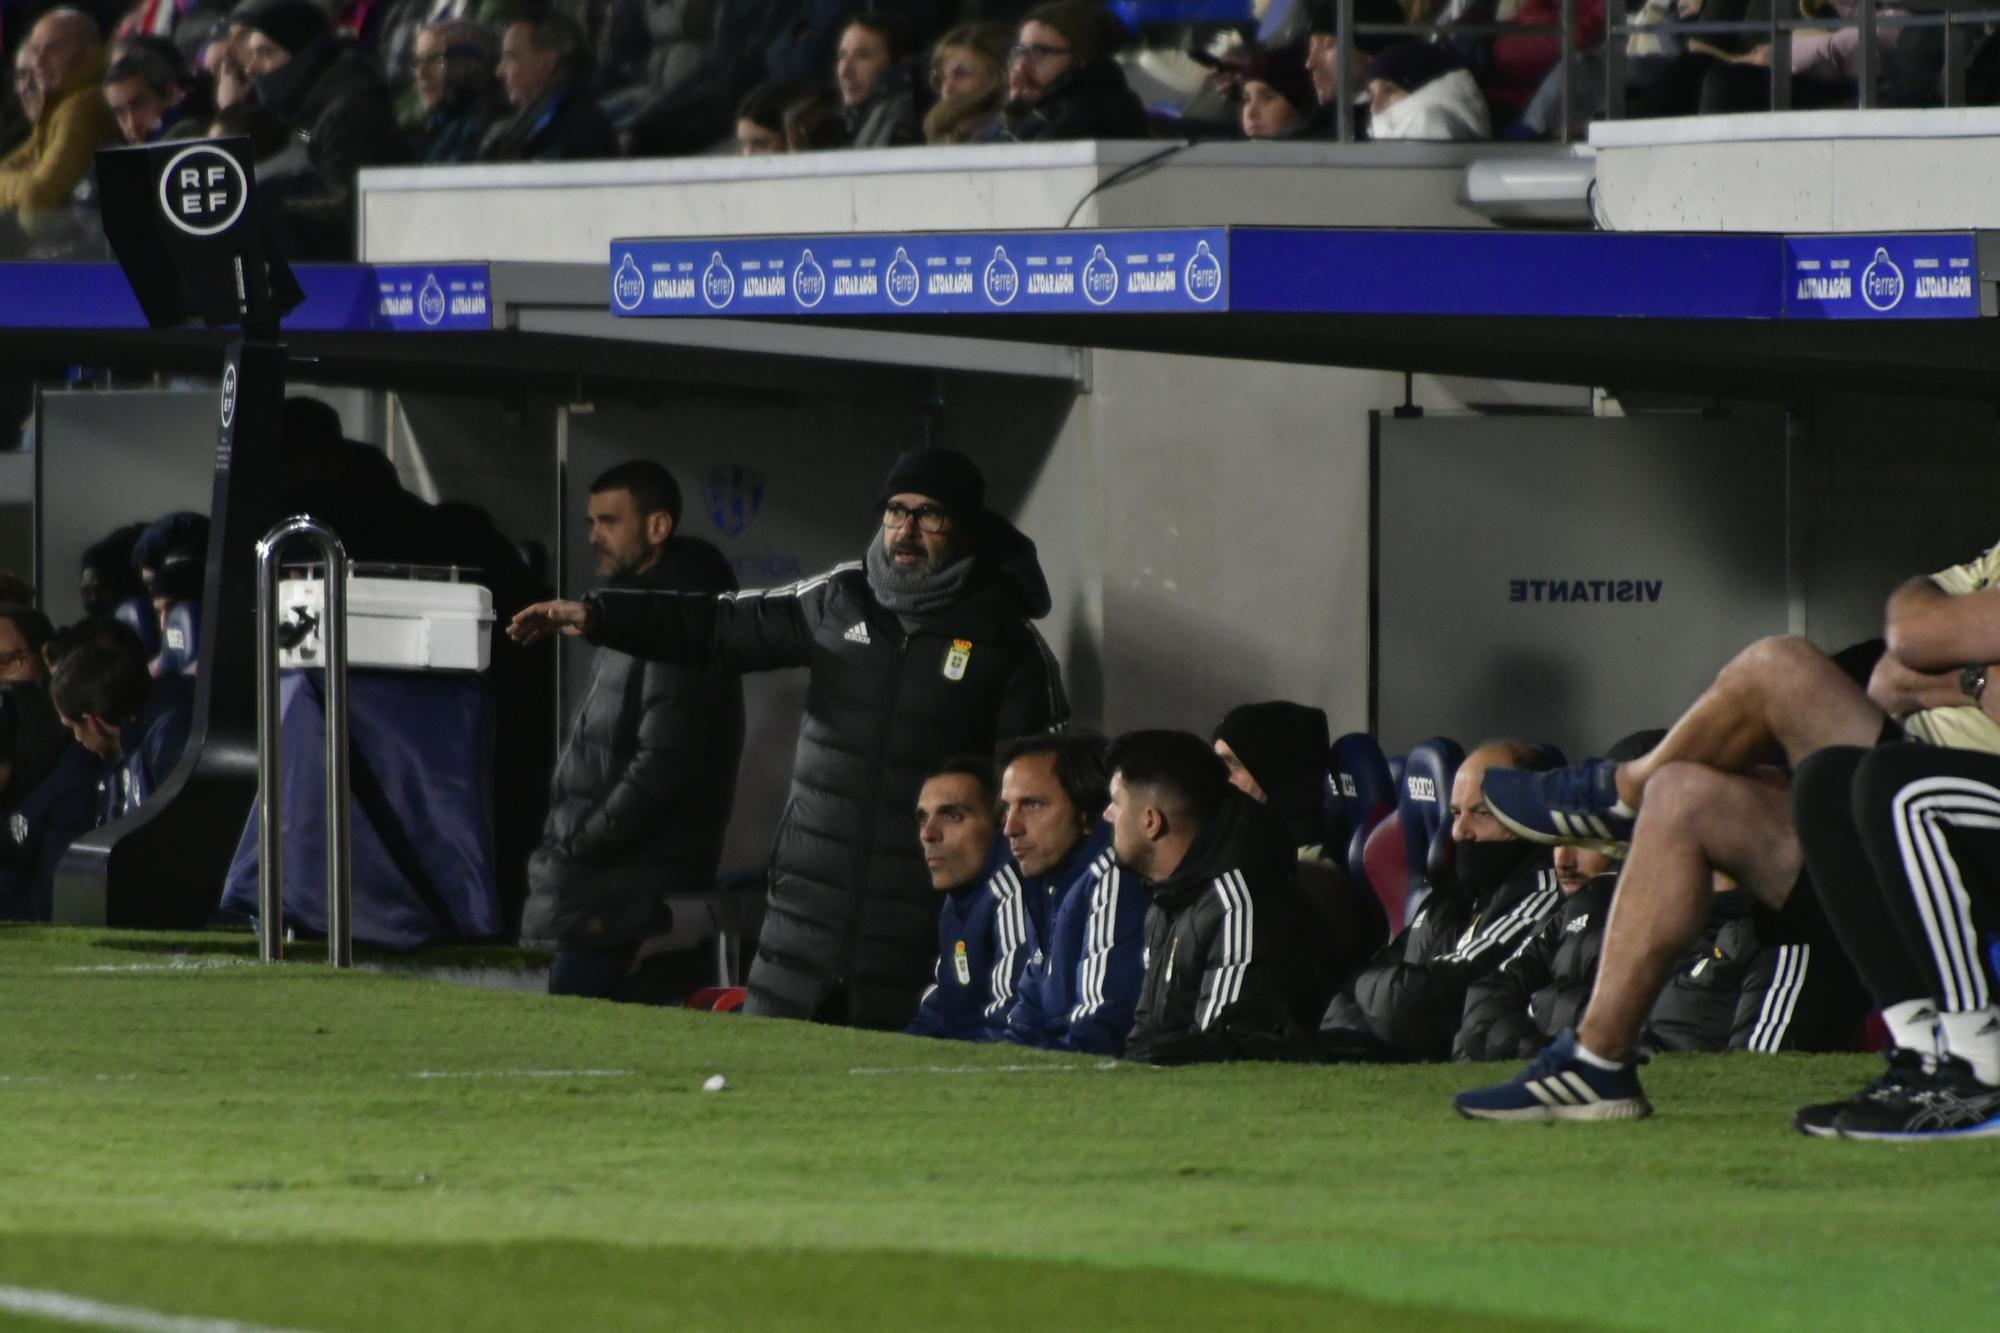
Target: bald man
point(57, 71)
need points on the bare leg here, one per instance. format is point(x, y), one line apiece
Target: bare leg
point(1698, 820)
point(1779, 699)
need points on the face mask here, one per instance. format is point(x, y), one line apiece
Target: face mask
point(1484, 866)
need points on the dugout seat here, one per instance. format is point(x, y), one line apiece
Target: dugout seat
point(180, 637)
point(1424, 812)
point(1382, 869)
point(1362, 793)
point(138, 615)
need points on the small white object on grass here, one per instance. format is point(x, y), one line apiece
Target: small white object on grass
point(715, 1083)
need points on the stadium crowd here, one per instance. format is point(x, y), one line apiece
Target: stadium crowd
point(322, 90)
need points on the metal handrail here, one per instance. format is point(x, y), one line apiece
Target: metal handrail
point(270, 796)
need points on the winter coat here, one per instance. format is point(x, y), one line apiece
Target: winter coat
point(1520, 63)
point(644, 786)
point(455, 131)
point(1226, 975)
point(850, 902)
point(1748, 985)
point(331, 96)
point(1407, 1003)
point(1523, 1004)
point(1087, 940)
point(888, 119)
point(37, 178)
point(982, 931)
point(1449, 107)
point(564, 124)
point(1089, 102)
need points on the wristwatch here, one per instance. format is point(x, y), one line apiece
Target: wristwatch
point(1972, 681)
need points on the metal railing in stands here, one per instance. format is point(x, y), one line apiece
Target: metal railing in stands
point(1958, 25)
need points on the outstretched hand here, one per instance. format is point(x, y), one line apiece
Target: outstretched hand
point(535, 623)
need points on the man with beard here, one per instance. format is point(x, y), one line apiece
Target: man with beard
point(1062, 79)
point(922, 650)
point(1407, 1003)
point(645, 783)
point(1227, 977)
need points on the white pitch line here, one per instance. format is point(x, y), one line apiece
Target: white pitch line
point(176, 965)
point(522, 1073)
point(64, 1308)
point(983, 1069)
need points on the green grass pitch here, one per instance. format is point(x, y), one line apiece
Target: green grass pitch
point(193, 1135)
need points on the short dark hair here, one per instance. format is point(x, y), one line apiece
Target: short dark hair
point(886, 26)
point(32, 625)
point(1179, 763)
point(561, 34)
point(1080, 767)
point(155, 63)
point(764, 106)
point(975, 766)
point(104, 631)
point(104, 680)
point(652, 488)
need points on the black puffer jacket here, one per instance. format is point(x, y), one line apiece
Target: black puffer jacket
point(643, 790)
point(1091, 102)
point(1408, 1002)
point(1227, 974)
point(1523, 1004)
point(330, 95)
point(851, 905)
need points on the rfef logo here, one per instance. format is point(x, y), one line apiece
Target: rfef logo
point(228, 396)
point(203, 190)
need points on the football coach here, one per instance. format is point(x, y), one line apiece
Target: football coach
point(923, 649)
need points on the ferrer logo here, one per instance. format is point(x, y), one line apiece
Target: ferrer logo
point(1422, 789)
point(1202, 278)
point(203, 190)
point(1003, 280)
point(628, 284)
point(430, 301)
point(718, 283)
point(1882, 283)
point(808, 281)
point(902, 276)
point(1100, 278)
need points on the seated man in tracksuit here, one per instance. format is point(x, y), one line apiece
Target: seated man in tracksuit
point(1227, 977)
point(135, 726)
point(48, 796)
point(981, 926)
point(1086, 917)
point(1407, 1003)
point(1526, 1002)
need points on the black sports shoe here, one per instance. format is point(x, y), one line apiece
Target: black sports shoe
point(1948, 1103)
point(1891, 1085)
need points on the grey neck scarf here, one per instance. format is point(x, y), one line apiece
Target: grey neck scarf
point(915, 594)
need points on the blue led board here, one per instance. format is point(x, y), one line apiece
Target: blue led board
point(340, 298)
point(1038, 273)
point(1934, 276)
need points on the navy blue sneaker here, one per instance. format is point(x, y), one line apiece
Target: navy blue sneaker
point(1578, 805)
point(1557, 1085)
point(1944, 1103)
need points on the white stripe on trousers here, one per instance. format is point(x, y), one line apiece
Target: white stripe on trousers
point(1781, 997)
point(1922, 811)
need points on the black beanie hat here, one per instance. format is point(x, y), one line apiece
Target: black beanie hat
point(175, 548)
point(1411, 65)
point(1324, 16)
point(292, 24)
point(1283, 69)
point(945, 475)
point(1284, 745)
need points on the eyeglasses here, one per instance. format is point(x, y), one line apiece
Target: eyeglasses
point(1036, 52)
point(940, 76)
point(929, 518)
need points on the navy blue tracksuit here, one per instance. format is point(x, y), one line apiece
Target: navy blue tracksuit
point(1087, 958)
point(982, 938)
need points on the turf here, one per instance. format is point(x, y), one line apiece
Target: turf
point(183, 1130)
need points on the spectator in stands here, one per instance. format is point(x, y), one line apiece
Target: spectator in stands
point(1086, 918)
point(873, 75)
point(938, 617)
point(329, 95)
point(136, 728)
point(760, 121)
point(1326, 53)
point(24, 634)
point(1278, 99)
point(452, 66)
point(48, 797)
point(544, 69)
point(1063, 78)
point(659, 44)
point(1826, 66)
point(154, 96)
point(1226, 977)
point(815, 121)
point(969, 78)
point(1519, 65)
point(56, 73)
point(1708, 799)
point(981, 922)
point(697, 113)
point(1417, 91)
point(1276, 754)
point(648, 775)
point(1407, 1003)
point(222, 60)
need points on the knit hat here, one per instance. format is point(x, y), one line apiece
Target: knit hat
point(1410, 66)
point(1324, 16)
point(945, 475)
point(292, 24)
point(1284, 745)
point(1284, 70)
point(175, 548)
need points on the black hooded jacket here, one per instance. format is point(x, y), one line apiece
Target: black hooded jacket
point(331, 96)
point(1523, 1004)
point(1409, 1002)
point(851, 904)
point(644, 787)
point(1227, 974)
point(1092, 101)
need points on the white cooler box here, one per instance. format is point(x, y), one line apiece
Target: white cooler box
point(401, 623)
